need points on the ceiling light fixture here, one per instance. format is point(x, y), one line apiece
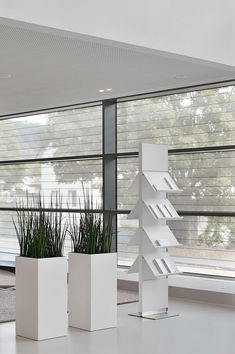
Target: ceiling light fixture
point(107, 90)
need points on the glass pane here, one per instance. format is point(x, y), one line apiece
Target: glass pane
point(127, 169)
point(8, 240)
point(67, 177)
point(126, 230)
point(208, 245)
point(67, 133)
point(208, 183)
point(207, 180)
point(193, 119)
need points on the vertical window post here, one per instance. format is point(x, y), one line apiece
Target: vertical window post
point(110, 166)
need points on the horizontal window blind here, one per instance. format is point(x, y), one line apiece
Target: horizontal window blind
point(193, 119)
point(199, 119)
point(49, 179)
point(66, 133)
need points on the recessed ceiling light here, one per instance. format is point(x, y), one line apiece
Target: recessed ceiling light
point(5, 76)
point(107, 89)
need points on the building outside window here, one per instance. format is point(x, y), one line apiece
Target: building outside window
point(72, 197)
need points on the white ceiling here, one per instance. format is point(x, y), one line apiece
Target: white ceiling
point(42, 68)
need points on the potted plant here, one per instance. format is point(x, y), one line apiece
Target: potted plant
point(41, 271)
point(92, 287)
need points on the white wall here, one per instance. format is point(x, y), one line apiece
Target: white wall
point(203, 29)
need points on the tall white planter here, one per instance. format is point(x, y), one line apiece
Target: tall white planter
point(92, 291)
point(41, 297)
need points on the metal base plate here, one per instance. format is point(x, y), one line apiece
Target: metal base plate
point(157, 316)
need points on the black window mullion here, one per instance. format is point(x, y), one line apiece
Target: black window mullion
point(110, 166)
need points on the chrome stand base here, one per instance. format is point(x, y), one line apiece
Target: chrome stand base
point(154, 316)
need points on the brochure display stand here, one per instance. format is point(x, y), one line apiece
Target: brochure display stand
point(153, 236)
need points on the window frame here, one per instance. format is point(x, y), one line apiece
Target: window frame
point(110, 155)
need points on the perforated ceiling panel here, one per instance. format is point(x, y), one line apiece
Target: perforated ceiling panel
point(43, 68)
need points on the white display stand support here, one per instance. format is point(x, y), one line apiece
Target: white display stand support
point(153, 237)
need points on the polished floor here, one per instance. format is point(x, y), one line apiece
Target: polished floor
point(200, 329)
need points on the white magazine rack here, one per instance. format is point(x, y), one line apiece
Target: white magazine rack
point(153, 237)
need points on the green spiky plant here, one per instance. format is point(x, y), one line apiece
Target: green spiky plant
point(88, 233)
point(41, 234)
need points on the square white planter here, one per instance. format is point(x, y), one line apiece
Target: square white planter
point(92, 291)
point(41, 297)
